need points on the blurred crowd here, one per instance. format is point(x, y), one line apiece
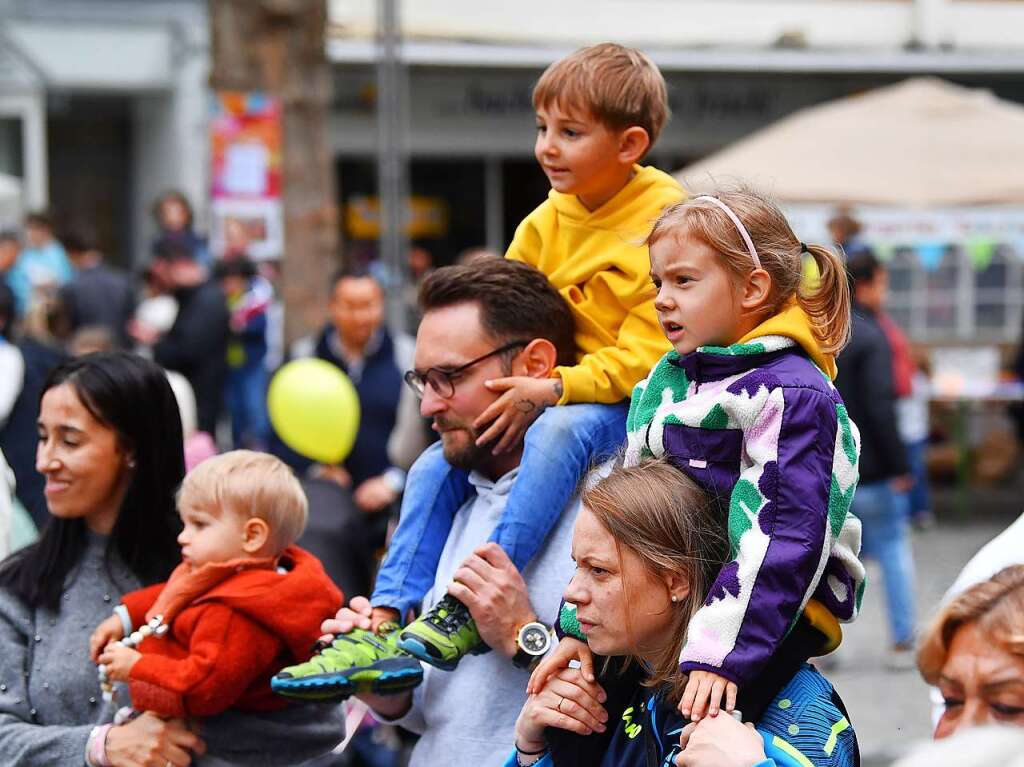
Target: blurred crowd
point(215, 324)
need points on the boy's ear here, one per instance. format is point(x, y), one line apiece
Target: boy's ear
point(756, 289)
point(537, 359)
point(255, 535)
point(633, 144)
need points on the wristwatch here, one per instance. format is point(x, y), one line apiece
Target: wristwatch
point(532, 642)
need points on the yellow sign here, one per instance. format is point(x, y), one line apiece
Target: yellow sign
point(424, 217)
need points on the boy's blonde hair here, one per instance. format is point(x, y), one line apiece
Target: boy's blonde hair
point(826, 299)
point(618, 86)
point(995, 606)
point(252, 485)
point(667, 520)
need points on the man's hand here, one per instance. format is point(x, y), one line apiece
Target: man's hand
point(495, 593)
point(107, 632)
point(511, 414)
point(119, 661)
point(375, 494)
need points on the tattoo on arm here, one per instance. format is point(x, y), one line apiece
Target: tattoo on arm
point(559, 389)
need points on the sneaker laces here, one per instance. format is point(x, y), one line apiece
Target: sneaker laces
point(449, 615)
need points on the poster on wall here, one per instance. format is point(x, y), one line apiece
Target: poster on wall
point(245, 154)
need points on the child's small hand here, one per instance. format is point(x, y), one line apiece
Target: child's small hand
point(108, 631)
point(119, 661)
point(511, 414)
point(357, 615)
point(567, 650)
point(703, 694)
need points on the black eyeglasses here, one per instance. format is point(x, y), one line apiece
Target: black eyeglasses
point(443, 381)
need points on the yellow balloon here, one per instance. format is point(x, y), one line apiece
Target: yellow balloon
point(314, 409)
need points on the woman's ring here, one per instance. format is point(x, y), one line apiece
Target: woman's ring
point(561, 700)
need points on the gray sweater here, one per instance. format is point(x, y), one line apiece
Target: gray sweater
point(50, 698)
point(468, 716)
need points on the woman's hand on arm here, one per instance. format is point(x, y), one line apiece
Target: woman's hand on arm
point(568, 650)
point(149, 741)
point(720, 741)
point(567, 701)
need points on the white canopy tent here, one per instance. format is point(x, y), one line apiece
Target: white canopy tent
point(933, 172)
point(923, 142)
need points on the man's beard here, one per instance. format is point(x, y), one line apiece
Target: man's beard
point(467, 455)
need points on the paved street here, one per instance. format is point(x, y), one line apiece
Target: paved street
point(891, 709)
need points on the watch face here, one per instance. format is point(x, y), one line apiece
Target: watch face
point(535, 639)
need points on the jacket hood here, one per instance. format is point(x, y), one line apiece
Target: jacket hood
point(290, 605)
point(629, 209)
point(793, 322)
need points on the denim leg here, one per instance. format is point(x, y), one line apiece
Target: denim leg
point(257, 427)
point(559, 448)
point(920, 501)
point(434, 491)
point(883, 518)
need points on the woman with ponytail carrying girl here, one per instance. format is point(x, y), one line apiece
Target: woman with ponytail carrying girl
point(745, 406)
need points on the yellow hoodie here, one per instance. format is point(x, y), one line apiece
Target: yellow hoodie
point(598, 262)
point(793, 322)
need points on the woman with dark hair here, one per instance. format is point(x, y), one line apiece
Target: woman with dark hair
point(110, 448)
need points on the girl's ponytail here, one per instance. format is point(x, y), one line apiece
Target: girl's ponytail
point(827, 302)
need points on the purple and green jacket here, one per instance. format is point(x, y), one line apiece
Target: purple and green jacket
point(766, 434)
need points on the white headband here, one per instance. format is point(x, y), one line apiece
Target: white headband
point(739, 226)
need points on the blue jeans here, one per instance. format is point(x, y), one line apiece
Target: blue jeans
point(919, 498)
point(882, 513)
point(558, 449)
point(247, 403)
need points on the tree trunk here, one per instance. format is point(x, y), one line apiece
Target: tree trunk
point(278, 46)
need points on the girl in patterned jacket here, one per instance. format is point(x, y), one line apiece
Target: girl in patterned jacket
point(744, 404)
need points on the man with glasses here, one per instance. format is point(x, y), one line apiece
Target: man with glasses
point(480, 322)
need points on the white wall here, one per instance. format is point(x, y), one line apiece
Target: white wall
point(681, 23)
point(172, 144)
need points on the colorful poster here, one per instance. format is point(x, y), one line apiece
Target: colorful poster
point(245, 154)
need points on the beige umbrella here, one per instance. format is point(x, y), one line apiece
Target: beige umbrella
point(921, 142)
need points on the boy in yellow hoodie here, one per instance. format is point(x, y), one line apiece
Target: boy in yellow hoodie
point(599, 111)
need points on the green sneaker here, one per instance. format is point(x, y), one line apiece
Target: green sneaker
point(443, 635)
point(359, 662)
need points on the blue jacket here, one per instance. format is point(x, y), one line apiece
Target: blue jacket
point(806, 724)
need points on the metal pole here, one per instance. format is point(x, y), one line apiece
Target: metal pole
point(494, 204)
point(391, 159)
